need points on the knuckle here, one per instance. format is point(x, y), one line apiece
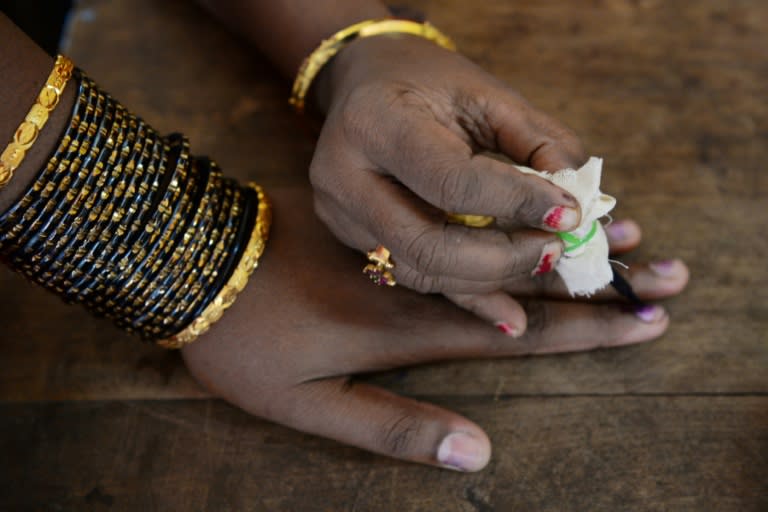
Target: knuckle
point(363, 124)
point(456, 187)
point(325, 175)
point(383, 222)
point(525, 201)
point(545, 283)
point(472, 111)
point(420, 282)
point(427, 251)
point(571, 143)
point(470, 302)
point(322, 210)
point(397, 437)
point(337, 223)
point(566, 146)
point(539, 316)
point(316, 172)
point(515, 265)
point(356, 124)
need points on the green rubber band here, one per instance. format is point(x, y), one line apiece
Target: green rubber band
point(573, 242)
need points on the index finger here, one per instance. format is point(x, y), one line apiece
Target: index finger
point(526, 134)
point(442, 169)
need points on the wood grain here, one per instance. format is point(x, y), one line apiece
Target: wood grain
point(668, 94)
point(551, 454)
point(671, 94)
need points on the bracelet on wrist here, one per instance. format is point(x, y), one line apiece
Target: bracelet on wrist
point(129, 223)
point(27, 132)
point(328, 48)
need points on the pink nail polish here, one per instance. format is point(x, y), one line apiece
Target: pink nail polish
point(650, 313)
point(507, 329)
point(617, 231)
point(663, 268)
point(462, 452)
point(561, 218)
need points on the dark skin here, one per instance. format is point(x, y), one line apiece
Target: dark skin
point(402, 109)
point(309, 321)
point(287, 348)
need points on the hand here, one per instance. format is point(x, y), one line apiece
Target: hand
point(407, 123)
point(309, 320)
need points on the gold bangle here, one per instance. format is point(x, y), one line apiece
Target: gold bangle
point(334, 44)
point(236, 283)
point(27, 132)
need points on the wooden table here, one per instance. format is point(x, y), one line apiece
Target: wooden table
point(672, 94)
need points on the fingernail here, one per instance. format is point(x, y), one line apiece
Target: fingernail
point(617, 231)
point(663, 268)
point(508, 329)
point(650, 313)
point(462, 452)
point(549, 256)
point(562, 218)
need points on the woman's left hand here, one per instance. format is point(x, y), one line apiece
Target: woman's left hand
point(309, 320)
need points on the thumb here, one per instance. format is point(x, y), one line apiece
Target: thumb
point(377, 420)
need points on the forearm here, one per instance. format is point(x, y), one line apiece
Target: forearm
point(24, 68)
point(288, 30)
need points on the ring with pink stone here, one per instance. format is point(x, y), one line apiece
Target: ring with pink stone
point(380, 266)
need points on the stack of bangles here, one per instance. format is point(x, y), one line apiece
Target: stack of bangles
point(129, 224)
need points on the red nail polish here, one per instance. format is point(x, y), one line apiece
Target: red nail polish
point(506, 329)
point(562, 218)
point(554, 217)
point(545, 265)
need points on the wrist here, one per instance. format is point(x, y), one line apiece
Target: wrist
point(367, 58)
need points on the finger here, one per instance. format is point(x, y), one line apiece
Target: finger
point(354, 235)
point(557, 327)
point(623, 235)
point(650, 281)
point(443, 170)
point(497, 308)
point(526, 134)
point(420, 239)
point(552, 327)
point(373, 419)
point(417, 280)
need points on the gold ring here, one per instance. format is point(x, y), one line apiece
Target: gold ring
point(378, 270)
point(473, 221)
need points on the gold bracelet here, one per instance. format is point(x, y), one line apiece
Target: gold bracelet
point(236, 283)
point(27, 132)
point(334, 44)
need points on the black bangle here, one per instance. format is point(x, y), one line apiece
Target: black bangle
point(187, 261)
point(131, 225)
point(72, 219)
point(246, 221)
point(41, 228)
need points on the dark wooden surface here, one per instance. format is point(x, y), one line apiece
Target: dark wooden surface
point(671, 94)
